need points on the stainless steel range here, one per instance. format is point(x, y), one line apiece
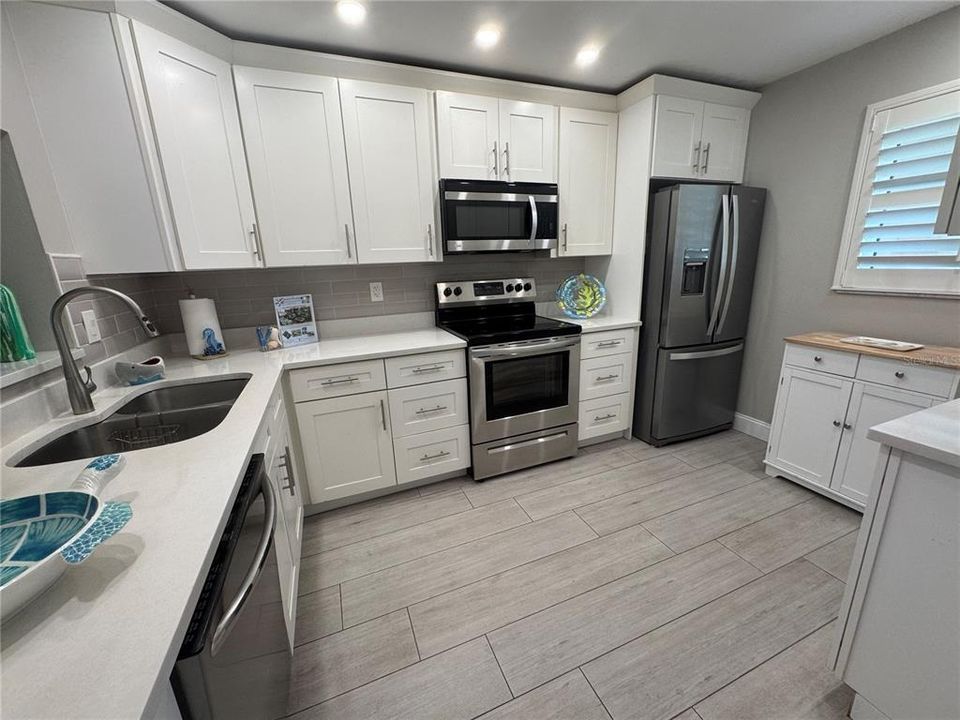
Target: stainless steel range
point(524, 373)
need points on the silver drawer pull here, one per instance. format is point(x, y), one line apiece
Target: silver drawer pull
point(442, 453)
point(604, 378)
point(817, 358)
point(898, 374)
point(608, 343)
point(429, 368)
point(424, 411)
point(598, 418)
point(340, 382)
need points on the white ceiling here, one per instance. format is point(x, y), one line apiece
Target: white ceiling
point(745, 43)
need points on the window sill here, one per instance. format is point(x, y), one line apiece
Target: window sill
point(945, 295)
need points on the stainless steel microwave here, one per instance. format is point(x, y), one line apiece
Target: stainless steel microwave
point(494, 216)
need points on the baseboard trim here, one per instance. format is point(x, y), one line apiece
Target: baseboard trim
point(751, 426)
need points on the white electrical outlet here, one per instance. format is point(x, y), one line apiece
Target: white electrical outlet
point(376, 292)
point(90, 325)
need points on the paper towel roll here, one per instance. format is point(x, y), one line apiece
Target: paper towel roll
point(198, 315)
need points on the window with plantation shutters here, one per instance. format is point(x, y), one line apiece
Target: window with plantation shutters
point(890, 244)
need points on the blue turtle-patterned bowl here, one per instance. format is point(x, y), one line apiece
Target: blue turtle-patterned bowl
point(41, 534)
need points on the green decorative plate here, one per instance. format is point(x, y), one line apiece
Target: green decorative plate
point(581, 296)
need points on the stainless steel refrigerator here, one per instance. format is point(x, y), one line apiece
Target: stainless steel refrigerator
point(698, 281)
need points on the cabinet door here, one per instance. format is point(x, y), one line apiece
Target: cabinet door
point(588, 170)
point(291, 499)
point(676, 137)
point(288, 563)
point(528, 142)
point(467, 136)
point(298, 166)
point(724, 142)
point(201, 151)
point(392, 181)
point(857, 461)
point(347, 445)
point(807, 423)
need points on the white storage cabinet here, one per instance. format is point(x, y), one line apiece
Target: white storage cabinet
point(607, 370)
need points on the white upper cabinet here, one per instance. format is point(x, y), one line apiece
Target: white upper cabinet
point(588, 169)
point(197, 127)
point(468, 136)
point(724, 142)
point(528, 134)
point(486, 138)
point(390, 157)
point(293, 132)
point(699, 140)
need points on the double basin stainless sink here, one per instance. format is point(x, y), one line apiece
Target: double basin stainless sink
point(166, 415)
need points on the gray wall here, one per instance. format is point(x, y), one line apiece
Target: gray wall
point(804, 136)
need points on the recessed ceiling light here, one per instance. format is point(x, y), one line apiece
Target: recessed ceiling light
point(588, 55)
point(351, 11)
point(487, 37)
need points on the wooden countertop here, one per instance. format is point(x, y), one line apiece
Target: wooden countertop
point(935, 355)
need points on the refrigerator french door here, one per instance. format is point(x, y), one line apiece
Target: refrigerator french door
point(698, 285)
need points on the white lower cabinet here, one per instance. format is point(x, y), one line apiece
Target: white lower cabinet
point(826, 402)
point(433, 453)
point(604, 416)
point(347, 445)
point(433, 406)
point(607, 372)
point(605, 375)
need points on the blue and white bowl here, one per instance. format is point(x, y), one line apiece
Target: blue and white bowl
point(40, 535)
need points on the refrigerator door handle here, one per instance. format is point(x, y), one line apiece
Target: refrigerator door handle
point(722, 282)
point(733, 261)
point(705, 353)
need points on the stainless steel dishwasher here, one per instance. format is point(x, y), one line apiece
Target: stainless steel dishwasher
point(235, 660)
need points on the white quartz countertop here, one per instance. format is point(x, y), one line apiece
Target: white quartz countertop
point(603, 322)
point(102, 641)
point(933, 433)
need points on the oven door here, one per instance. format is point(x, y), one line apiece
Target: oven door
point(524, 386)
point(495, 221)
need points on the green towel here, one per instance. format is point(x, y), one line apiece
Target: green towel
point(14, 340)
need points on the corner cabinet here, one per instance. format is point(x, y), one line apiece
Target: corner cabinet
point(588, 173)
point(293, 130)
point(389, 141)
point(828, 399)
point(197, 129)
point(698, 140)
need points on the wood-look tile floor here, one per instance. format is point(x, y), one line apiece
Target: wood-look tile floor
point(628, 582)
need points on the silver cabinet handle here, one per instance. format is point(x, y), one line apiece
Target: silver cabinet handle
point(564, 237)
point(898, 374)
point(339, 382)
point(430, 239)
point(847, 426)
point(442, 453)
point(346, 231)
point(608, 343)
point(706, 158)
point(598, 418)
point(255, 234)
point(604, 378)
point(423, 411)
point(837, 423)
point(229, 617)
point(429, 368)
point(496, 161)
point(286, 465)
point(696, 163)
point(383, 415)
point(506, 159)
point(817, 358)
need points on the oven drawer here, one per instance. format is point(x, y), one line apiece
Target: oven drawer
point(907, 376)
point(605, 375)
point(433, 453)
point(425, 368)
point(835, 362)
point(422, 408)
point(523, 451)
point(604, 415)
point(330, 381)
point(610, 342)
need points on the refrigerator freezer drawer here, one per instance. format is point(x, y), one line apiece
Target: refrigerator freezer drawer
point(696, 390)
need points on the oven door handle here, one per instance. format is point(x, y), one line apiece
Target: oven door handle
point(533, 217)
point(537, 349)
point(230, 617)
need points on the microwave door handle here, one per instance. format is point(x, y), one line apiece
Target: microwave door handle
point(721, 283)
point(733, 262)
point(230, 617)
point(533, 218)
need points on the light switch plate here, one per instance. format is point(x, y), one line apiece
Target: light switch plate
point(90, 325)
point(376, 292)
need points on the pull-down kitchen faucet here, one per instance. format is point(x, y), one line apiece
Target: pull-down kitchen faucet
point(79, 389)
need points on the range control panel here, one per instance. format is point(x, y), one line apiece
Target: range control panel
point(478, 291)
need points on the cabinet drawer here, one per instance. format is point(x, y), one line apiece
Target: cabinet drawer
point(610, 342)
point(907, 376)
point(814, 358)
point(605, 375)
point(337, 380)
point(433, 453)
point(426, 367)
point(433, 406)
point(604, 415)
